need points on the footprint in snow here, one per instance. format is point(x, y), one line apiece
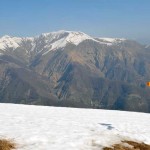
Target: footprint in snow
point(109, 126)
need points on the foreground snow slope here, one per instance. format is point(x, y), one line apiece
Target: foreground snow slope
point(53, 128)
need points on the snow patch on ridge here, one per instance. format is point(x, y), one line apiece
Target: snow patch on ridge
point(77, 37)
point(110, 41)
point(147, 46)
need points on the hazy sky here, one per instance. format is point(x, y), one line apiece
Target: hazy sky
point(101, 18)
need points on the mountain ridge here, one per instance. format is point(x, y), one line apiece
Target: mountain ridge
point(74, 37)
point(68, 68)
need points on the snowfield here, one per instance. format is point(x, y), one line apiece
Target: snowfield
point(55, 128)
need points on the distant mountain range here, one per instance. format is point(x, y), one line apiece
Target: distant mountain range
point(68, 68)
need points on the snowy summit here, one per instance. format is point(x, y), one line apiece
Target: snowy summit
point(60, 39)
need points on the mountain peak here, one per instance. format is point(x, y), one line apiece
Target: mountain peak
point(59, 39)
point(66, 34)
point(9, 42)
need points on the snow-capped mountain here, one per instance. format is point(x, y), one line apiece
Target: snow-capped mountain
point(60, 39)
point(51, 128)
point(53, 41)
point(68, 68)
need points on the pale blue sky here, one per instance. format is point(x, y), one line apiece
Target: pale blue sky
point(101, 18)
